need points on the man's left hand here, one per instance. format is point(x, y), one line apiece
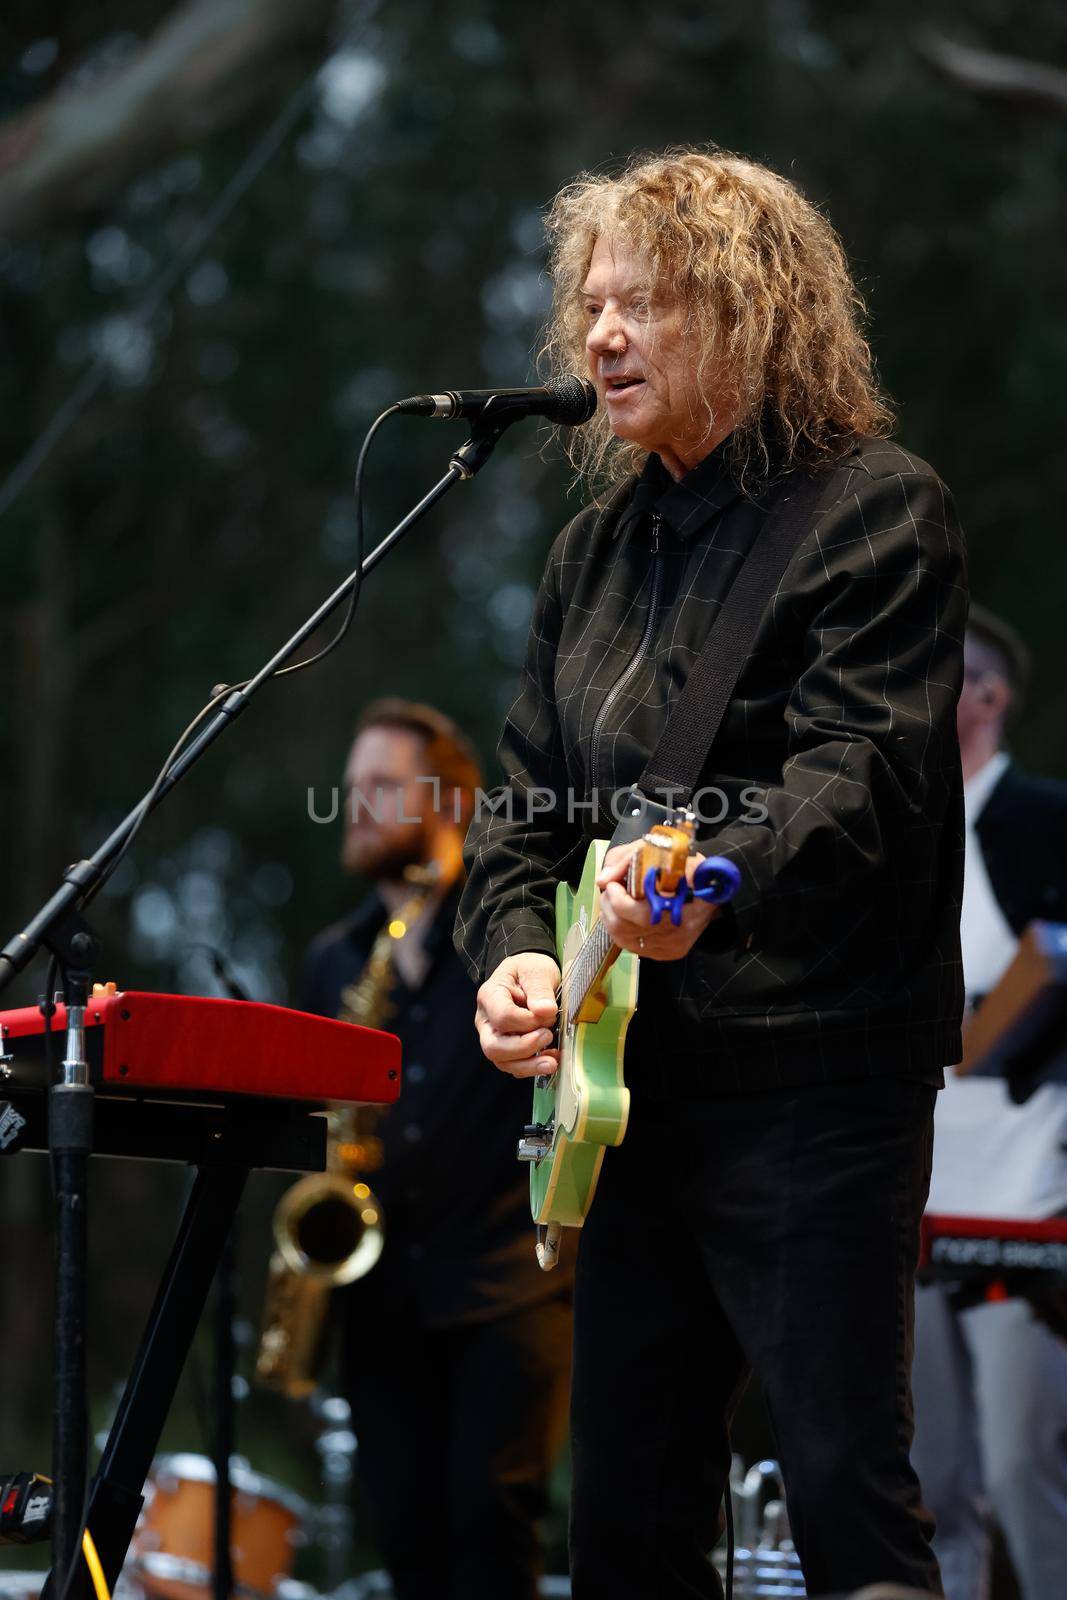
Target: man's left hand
point(629, 921)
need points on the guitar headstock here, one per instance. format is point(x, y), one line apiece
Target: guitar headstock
point(664, 849)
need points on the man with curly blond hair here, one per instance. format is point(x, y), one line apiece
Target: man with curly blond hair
point(762, 1213)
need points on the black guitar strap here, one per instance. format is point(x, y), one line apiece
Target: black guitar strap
point(691, 729)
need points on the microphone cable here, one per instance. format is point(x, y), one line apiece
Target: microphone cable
point(96, 1570)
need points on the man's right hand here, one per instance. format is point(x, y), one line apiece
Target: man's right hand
point(517, 1009)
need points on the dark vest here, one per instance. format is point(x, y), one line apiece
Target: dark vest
point(1022, 831)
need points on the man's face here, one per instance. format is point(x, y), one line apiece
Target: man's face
point(381, 789)
point(984, 697)
point(640, 356)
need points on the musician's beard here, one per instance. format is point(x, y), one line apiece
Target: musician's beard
point(384, 860)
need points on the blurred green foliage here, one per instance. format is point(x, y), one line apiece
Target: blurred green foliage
point(201, 505)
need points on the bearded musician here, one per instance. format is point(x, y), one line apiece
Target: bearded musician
point(762, 1213)
point(454, 1348)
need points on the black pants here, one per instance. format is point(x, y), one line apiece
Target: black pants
point(456, 1430)
point(775, 1233)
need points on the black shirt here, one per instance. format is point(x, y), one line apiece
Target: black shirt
point(1022, 832)
point(840, 956)
point(459, 1237)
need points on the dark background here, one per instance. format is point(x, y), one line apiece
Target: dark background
point(199, 503)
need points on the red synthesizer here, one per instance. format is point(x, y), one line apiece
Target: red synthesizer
point(186, 1046)
point(991, 1248)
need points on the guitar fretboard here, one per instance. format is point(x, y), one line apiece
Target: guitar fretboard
point(582, 973)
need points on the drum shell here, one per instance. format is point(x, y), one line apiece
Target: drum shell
point(173, 1547)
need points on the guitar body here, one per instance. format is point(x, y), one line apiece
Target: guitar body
point(585, 1102)
point(584, 1105)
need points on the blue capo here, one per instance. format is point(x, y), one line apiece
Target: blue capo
point(716, 880)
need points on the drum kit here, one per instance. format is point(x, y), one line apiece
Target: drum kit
point(172, 1552)
point(765, 1559)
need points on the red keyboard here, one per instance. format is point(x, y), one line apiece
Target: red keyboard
point(989, 1248)
point(185, 1046)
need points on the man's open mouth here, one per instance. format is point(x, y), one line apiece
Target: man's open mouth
point(619, 384)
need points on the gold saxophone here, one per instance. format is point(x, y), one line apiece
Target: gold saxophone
point(328, 1227)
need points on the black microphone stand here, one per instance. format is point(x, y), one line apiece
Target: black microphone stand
point(70, 1139)
point(60, 928)
point(223, 1442)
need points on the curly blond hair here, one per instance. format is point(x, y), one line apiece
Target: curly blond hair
point(773, 314)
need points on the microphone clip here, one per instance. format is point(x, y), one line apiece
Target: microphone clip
point(472, 456)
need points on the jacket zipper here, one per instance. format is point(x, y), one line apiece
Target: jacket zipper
point(635, 660)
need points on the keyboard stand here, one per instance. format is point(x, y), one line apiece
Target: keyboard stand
point(239, 1141)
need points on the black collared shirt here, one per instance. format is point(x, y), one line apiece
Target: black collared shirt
point(843, 955)
point(459, 1238)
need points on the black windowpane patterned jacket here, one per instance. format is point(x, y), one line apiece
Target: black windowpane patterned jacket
point(840, 955)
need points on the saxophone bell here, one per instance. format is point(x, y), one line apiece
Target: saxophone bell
point(329, 1231)
point(329, 1228)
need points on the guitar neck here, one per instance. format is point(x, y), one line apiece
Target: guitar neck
point(595, 955)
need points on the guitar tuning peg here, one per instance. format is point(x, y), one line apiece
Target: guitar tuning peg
point(658, 903)
point(716, 880)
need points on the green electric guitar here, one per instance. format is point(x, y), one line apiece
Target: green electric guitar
point(582, 1107)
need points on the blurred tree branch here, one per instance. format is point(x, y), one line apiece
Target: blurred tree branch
point(994, 77)
point(207, 64)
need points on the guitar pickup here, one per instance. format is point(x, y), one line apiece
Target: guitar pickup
point(536, 1141)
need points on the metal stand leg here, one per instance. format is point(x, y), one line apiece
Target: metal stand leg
point(70, 1137)
point(70, 1421)
point(116, 1496)
point(225, 1296)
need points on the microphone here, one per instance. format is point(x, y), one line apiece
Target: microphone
point(565, 400)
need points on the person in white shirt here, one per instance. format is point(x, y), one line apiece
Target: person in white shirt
point(990, 1381)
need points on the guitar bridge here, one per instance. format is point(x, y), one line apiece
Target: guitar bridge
point(536, 1140)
